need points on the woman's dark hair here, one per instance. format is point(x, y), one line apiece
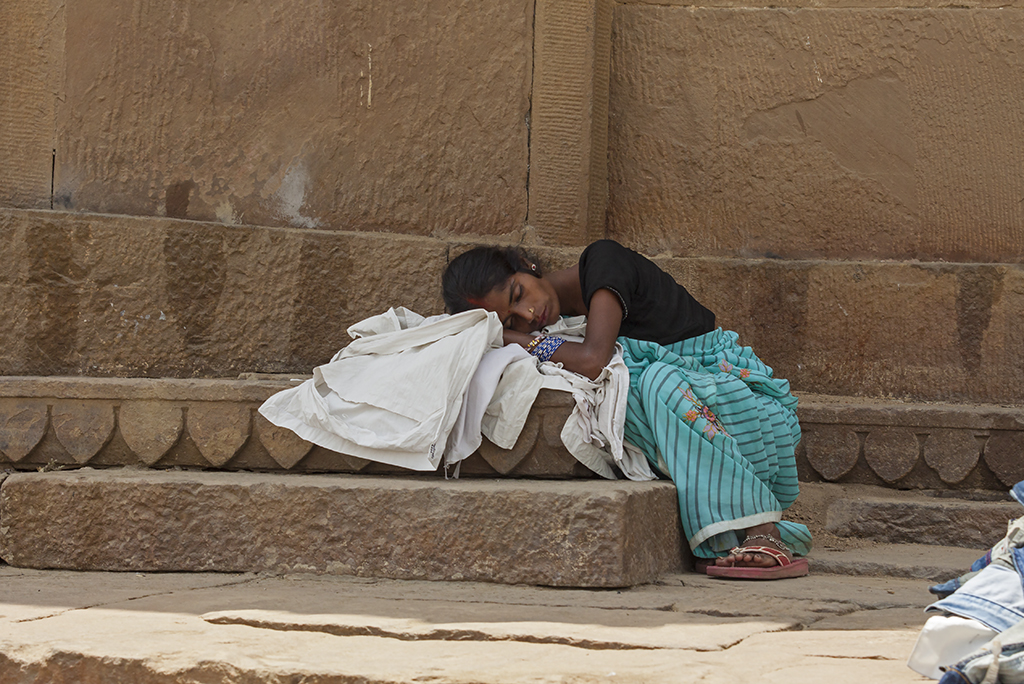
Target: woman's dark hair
point(472, 274)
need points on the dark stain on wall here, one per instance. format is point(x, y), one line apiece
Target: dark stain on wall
point(977, 289)
point(194, 261)
point(178, 195)
point(53, 287)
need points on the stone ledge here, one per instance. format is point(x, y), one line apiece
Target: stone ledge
point(52, 422)
point(585, 534)
point(915, 519)
point(910, 445)
point(60, 422)
point(912, 561)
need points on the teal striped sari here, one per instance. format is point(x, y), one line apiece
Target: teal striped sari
point(708, 414)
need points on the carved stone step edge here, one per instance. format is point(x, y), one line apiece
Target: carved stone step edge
point(910, 445)
point(212, 423)
point(60, 422)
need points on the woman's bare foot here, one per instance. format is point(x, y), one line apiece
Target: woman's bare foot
point(756, 560)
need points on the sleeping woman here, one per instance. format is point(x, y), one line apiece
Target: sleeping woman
point(706, 412)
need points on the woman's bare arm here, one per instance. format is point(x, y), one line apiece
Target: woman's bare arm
point(588, 358)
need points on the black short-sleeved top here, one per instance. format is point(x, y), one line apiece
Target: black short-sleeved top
point(655, 307)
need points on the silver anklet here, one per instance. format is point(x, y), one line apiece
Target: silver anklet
point(781, 546)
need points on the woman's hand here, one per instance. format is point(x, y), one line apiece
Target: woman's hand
point(510, 336)
point(590, 357)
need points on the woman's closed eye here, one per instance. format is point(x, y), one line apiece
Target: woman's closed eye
point(515, 295)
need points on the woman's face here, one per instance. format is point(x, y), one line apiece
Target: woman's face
point(524, 303)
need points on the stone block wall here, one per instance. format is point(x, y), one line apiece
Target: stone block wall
point(124, 296)
point(839, 183)
point(409, 119)
point(835, 131)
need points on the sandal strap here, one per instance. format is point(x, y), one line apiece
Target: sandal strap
point(782, 559)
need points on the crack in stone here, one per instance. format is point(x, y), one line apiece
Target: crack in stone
point(798, 627)
point(433, 635)
point(711, 612)
point(665, 607)
point(133, 598)
point(846, 657)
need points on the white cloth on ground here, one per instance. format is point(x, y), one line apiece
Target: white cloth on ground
point(496, 404)
point(945, 640)
point(454, 391)
point(351, 404)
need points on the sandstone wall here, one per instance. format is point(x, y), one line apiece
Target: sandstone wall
point(859, 166)
point(353, 115)
point(842, 184)
point(819, 132)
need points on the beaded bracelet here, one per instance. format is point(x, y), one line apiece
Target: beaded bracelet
point(547, 348)
point(534, 342)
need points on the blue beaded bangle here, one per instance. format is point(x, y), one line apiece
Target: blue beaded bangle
point(546, 348)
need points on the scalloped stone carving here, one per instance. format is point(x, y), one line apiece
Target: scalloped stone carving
point(150, 428)
point(1004, 455)
point(831, 451)
point(505, 460)
point(283, 445)
point(953, 454)
point(891, 452)
point(218, 429)
point(83, 427)
point(23, 423)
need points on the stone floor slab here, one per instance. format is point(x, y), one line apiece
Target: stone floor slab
point(156, 629)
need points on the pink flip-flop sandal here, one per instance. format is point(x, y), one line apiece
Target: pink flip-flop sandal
point(787, 567)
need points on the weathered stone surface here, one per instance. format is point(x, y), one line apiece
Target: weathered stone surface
point(30, 71)
point(150, 423)
point(831, 452)
point(23, 423)
point(412, 119)
point(103, 295)
point(150, 416)
point(953, 454)
point(569, 120)
point(951, 437)
point(891, 452)
point(283, 445)
point(504, 461)
point(921, 561)
point(161, 628)
point(83, 427)
point(218, 429)
point(149, 428)
point(592, 533)
point(918, 520)
point(835, 327)
point(818, 133)
point(1004, 455)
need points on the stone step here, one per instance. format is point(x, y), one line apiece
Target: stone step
point(556, 533)
point(911, 561)
point(70, 422)
point(840, 515)
point(67, 422)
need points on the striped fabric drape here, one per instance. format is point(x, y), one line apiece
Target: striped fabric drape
point(709, 415)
